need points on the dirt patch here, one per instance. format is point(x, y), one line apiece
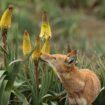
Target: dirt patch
point(92, 25)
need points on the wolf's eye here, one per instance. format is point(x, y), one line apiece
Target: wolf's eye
point(71, 60)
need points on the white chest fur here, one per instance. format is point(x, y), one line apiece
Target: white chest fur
point(79, 101)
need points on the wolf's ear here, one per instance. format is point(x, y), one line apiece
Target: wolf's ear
point(72, 53)
point(71, 58)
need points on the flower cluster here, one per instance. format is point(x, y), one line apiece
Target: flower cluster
point(42, 42)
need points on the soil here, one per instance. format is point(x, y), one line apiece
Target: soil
point(92, 25)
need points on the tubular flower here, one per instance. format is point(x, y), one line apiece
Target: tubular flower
point(46, 46)
point(26, 43)
point(36, 54)
point(6, 18)
point(45, 27)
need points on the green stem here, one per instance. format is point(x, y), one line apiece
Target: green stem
point(27, 69)
point(36, 75)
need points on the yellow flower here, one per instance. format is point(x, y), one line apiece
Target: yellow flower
point(36, 54)
point(45, 27)
point(6, 18)
point(26, 43)
point(46, 46)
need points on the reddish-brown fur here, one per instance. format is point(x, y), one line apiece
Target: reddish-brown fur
point(82, 85)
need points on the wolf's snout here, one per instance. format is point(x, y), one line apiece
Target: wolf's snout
point(44, 57)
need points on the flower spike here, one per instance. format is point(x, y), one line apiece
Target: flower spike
point(36, 54)
point(26, 43)
point(46, 46)
point(45, 27)
point(5, 21)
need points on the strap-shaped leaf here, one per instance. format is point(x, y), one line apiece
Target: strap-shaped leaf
point(20, 96)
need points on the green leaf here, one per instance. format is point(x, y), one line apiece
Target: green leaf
point(54, 103)
point(6, 97)
point(18, 84)
point(46, 81)
point(13, 70)
point(1, 73)
point(44, 104)
point(2, 87)
point(20, 96)
point(4, 94)
point(47, 96)
point(15, 61)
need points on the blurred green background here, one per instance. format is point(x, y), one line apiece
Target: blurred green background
point(75, 24)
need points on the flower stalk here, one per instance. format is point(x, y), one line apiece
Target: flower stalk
point(4, 40)
point(26, 50)
point(45, 34)
point(4, 37)
point(5, 24)
point(36, 63)
point(35, 56)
